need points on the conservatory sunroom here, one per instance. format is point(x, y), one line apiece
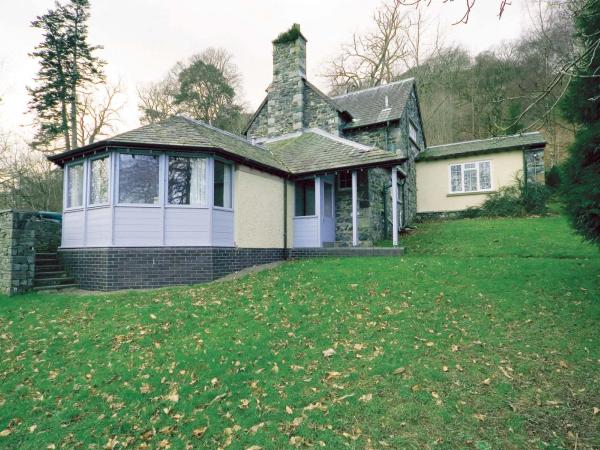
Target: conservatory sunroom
point(138, 198)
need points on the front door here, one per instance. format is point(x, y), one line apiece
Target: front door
point(327, 211)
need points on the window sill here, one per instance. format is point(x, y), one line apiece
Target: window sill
point(186, 207)
point(137, 205)
point(306, 217)
point(99, 206)
point(460, 194)
point(73, 209)
point(221, 208)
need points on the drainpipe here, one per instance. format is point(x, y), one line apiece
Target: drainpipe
point(285, 218)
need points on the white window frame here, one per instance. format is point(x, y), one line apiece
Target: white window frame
point(411, 127)
point(209, 181)
point(89, 181)
point(462, 176)
point(161, 176)
point(66, 206)
point(211, 187)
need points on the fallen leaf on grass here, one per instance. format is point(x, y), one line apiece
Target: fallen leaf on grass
point(399, 371)
point(254, 429)
point(505, 373)
point(487, 381)
point(244, 403)
point(199, 432)
point(480, 417)
point(5, 433)
point(145, 388)
point(366, 398)
point(173, 396)
point(254, 447)
point(328, 353)
point(595, 411)
point(445, 368)
point(454, 348)
point(333, 374)
point(289, 410)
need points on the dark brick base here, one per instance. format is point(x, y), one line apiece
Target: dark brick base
point(109, 269)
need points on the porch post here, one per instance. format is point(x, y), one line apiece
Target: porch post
point(354, 208)
point(395, 206)
point(318, 210)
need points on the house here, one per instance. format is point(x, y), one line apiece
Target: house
point(180, 201)
point(454, 177)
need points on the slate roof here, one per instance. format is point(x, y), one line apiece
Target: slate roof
point(497, 144)
point(368, 107)
point(183, 133)
point(315, 150)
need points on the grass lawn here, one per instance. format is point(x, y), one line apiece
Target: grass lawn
point(485, 335)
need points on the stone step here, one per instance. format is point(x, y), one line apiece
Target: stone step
point(47, 268)
point(56, 287)
point(57, 273)
point(53, 281)
point(46, 260)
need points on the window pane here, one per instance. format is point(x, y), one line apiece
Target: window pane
point(485, 179)
point(455, 178)
point(470, 176)
point(99, 181)
point(305, 198)
point(327, 200)
point(75, 186)
point(412, 132)
point(345, 180)
point(222, 185)
point(138, 179)
point(187, 181)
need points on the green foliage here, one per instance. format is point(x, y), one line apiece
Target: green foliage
point(518, 199)
point(240, 363)
point(553, 177)
point(67, 63)
point(289, 36)
point(581, 105)
point(581, 183)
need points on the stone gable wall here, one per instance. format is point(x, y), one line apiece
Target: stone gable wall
point(259, 127)
point(318, 113)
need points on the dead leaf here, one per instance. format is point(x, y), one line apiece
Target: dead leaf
point(145, 388)
point(480, 417)
point(429, 344)
point(244, 403)
point(164, 444)
point(487, 381)
point(111, 444)
point(445, 368)
point(454, 348)
point(199, 432)
point(289, 410)
point(275, 368)
point(595, 411)
point(331, 375)
point(563, 364)
point(435, 395)
point(254, 447)
point(214, 381)
point(173, 396)
point(254, 429)
point(5, 433)
point(328, 353)
point(32, 428)
point(399, 371)
point(366, 398)
point(505, 373)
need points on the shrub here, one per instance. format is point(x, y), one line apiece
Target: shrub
point(518, 199)
point(553, 178)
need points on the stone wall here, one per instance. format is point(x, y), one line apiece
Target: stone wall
point(22, 235)
point(259, 127)
point(319, 113)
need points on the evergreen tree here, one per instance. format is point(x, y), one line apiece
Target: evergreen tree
point(67, 64)
point(581, 105)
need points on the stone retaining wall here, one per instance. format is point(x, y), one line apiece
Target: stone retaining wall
point(22, 235)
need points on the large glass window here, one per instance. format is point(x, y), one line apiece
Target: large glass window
point(75, 185)
point(305, 198)
point(471, 177)
point(187, 181)
point(99, 173)
point(222, 185)
point(138, 179)
point(327, 199)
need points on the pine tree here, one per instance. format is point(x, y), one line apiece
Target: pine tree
point(67, 64)
point(581, 106)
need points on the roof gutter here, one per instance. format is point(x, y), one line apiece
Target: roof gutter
point(527, 147)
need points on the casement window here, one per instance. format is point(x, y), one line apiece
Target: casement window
point(470, 177)
point(75, 175)
point(99, 181)
point(187, 182)
point(345, 180)
point(412, 132)
point(305, 198)
point(138, 179)
point(222, 184)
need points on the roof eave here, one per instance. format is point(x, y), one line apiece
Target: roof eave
point(382, 164)
point(526, 147)
point(104, 146)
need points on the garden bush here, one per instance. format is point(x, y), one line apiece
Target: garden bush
point(516, 200)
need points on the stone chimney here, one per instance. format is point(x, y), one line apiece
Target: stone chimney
point(286, 92)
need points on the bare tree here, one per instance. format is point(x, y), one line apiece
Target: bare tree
point(469, 5)
point(98, 113)
point(375, 57)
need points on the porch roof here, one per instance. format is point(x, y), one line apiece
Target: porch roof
point(314, 151)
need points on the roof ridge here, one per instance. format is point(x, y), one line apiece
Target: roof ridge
point(499, 138)
point(341, 140)
point(372, 88)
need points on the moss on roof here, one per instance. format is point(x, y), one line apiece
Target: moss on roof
point(289, 36)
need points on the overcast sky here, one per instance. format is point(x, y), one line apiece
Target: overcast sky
point(142, 39)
